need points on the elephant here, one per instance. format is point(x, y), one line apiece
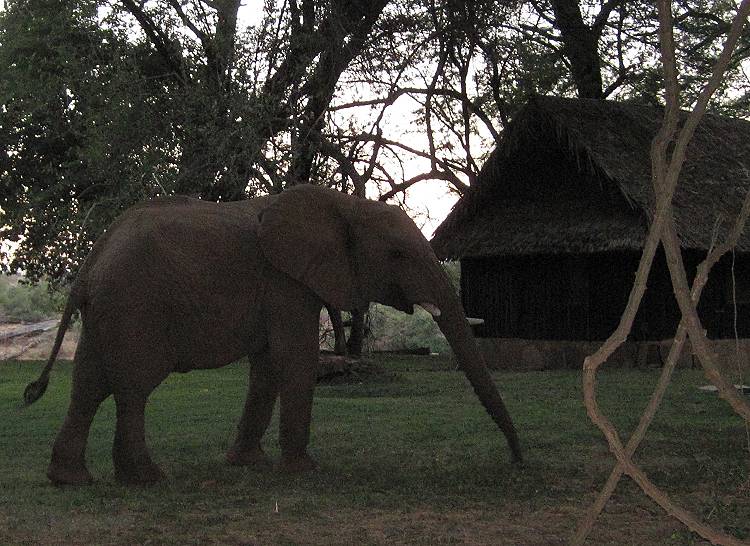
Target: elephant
point(177, 284)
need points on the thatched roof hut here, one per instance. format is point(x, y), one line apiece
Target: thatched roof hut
point(550, 235)
point(522, 204)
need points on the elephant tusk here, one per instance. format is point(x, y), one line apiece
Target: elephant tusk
point(474, 321)
point(431, 308)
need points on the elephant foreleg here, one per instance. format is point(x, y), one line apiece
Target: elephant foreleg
point(298, 361)
point(261, 398)
point(132, 460)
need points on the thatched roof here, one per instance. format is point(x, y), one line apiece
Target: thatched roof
point(573, 175)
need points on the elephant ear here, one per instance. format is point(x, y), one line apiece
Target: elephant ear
point(305, 234)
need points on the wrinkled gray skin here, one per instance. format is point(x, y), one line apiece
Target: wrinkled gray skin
point(178, 284)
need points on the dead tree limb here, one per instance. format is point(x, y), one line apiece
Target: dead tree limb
point(675, 351)
point(665, 173)
point(698, 339)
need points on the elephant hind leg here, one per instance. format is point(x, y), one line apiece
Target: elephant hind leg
point(133, 464)
point(261, 399)
point(90, 389)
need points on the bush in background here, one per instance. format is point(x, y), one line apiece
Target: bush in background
point(21, 302)
point(392, 330)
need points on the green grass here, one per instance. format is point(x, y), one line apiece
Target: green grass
point(408, 457)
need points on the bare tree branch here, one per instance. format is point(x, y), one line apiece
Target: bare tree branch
point(603, 15)
point(202, 36)
point(330, 149)
point(158, 38)
point(666, 171)
point(701, 278)
point(447, 166)
point(431, 175)
point(472, 106)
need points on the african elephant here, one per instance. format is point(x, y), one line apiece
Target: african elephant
point(178, 284)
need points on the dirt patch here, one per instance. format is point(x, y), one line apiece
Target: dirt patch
point(254, 525)
point(551, 526)
point(37, 346)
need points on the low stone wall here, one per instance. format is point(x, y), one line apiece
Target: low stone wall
point(525, 354)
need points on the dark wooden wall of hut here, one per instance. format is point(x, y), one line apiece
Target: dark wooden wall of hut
point(581, 297)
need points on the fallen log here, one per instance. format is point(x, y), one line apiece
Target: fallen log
point(29, 329)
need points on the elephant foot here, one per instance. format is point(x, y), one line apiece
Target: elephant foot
point(66, 475)
point(254, 457)
point(296, 464)
point(140, 474)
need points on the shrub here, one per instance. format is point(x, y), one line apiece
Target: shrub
point(393, 330)
point(28, 303)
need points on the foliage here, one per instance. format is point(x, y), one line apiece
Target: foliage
point(392, 330)
point(453, 269)
point(106, 103)
point(81, 130)
point(23, 302)
point(411, 460)
point(387, 329)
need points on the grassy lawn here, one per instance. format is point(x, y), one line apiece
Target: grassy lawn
point(408, 457)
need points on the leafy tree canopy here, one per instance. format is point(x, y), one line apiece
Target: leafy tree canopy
point(107, 102)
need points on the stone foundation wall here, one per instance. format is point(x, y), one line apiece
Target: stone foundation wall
point(525, 354)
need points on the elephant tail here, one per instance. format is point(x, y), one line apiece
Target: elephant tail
point(36, 389)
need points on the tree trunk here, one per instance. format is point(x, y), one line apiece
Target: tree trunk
point(339, 334)
point(581, 47)
point(357, 335)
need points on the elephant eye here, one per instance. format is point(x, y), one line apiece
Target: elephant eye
point(397, 254)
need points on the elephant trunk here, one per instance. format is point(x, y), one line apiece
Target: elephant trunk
point(453, 324)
